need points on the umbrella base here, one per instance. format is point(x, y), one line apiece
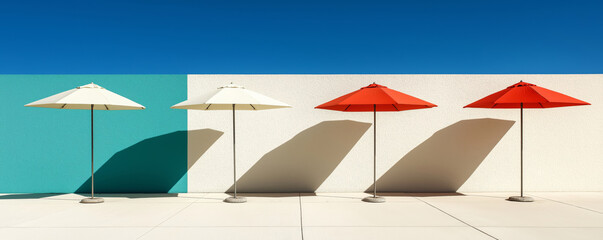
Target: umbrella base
point(235, 200)
point(92, 200)
point(520, 199)
point(374, 199)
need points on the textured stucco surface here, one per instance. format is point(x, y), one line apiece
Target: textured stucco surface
point(562, 146)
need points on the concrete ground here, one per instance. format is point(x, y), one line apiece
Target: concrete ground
point(553, 215)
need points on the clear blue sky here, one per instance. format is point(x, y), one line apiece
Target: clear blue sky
point(151, 36)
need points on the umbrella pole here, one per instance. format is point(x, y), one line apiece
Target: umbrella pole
point(234, 199)
point(234, 155)
point(374, 198)
point(521, 198)
point(92, 199)
point(521, 150)
point(374, 151)
point(92, 146)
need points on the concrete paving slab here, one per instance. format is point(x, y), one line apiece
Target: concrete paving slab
point(406, 213)
point(108, 214)
point(93, 233)
point(321, 216)
point(224, 233)
point(16, 213)
point(252, 213)
point(486, 210)
point(556, 233)
point(587, 200)
point(393, 233)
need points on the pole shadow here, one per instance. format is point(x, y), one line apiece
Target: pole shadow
point(153, 165)
point(302, 164)
point(444, 162)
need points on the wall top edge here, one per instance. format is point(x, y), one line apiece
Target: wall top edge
point(89, 74)
point(400, 74)
point(283, 74)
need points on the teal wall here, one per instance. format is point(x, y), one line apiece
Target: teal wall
point(48, 150)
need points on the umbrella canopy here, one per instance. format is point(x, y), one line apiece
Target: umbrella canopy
point(375, 98)
point(90, 97)
point(232, 97)
point(224, 97)
point(84, 96)
point(525, 95)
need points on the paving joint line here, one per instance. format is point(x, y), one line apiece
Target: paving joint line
point(168, 218)
point(457, 218)
point(569, 204)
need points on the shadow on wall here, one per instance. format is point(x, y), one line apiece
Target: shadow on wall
point(153, 165)
point(304, 162)
point(447, 159)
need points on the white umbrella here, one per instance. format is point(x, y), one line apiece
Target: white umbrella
point(89, 97)
point(232, 97)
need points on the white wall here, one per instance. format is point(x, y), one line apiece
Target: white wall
point(563, 147)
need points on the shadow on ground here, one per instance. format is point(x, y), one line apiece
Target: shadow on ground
point(135, 195)
point(446, 160)
point(28, 195)
point(419, 194)
point(153, 165)
point(304, 162)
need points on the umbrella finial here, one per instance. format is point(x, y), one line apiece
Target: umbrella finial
point(231, 85)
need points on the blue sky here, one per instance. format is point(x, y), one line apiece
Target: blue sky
point(150, 36)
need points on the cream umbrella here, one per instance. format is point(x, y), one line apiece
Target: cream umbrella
point(232, 97)
point(89, 97)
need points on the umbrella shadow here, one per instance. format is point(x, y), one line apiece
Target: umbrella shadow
point(304, 162)
point(153, 165)
point(445, 161)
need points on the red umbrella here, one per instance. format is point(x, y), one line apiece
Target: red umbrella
point(374, 98)
point(525, 95)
